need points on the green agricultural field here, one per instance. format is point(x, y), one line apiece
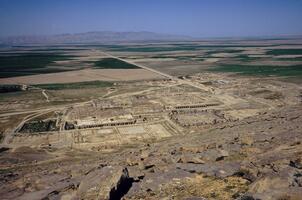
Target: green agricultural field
point(278, 52)
point(178, 47)
point(57, 50)
point(261, 70)
point(246, 58)
point(223, 51)
point(290, 59)
point(19, 64)
point(112, 63)
point(18, 51)
point(155, 48)
point(76, 85)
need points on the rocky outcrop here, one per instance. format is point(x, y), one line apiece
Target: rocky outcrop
point(106, 183)
point(247, 160)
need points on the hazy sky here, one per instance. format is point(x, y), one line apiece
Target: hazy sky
point(203, 18)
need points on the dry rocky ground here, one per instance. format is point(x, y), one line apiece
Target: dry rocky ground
point(256, 158)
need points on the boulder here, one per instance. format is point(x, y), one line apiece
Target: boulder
point(217, 169)
point(222, 154)
point(146, 164)
point(105, 183)
point(51, 192)
point(190, 159)
point(136, 173)
point(275, 187)
point(192, 149)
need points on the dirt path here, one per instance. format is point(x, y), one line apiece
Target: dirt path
point(45, 95)
point(198, 86)
point(139, 65)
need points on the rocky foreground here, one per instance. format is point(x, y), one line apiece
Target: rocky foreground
point(256, 158)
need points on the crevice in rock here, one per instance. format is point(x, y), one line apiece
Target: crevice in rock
point(3, 149)
point(122, 187)
point(245, 175)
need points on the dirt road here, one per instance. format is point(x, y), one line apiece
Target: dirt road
point(208, 89)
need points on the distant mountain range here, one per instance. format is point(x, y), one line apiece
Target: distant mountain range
point(94, 37)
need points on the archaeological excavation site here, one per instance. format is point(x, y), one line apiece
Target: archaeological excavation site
point(186, 120)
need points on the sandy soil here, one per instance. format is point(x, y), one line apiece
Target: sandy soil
point(84, 75)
